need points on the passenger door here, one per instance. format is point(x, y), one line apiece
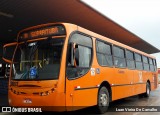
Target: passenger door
point(78, 80)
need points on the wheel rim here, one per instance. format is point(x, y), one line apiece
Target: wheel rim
point(103, 99)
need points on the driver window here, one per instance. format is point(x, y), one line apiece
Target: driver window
point(79, 56)
point(85, 57)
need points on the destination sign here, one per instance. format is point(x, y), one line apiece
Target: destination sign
point(42, 32)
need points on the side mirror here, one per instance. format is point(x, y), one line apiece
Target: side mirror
point(0, 67)
point(74, 54)
point(7, 71)
point(8, 51)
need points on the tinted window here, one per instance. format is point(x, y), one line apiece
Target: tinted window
point(150, 61)
point(81, 39)
point(146, 67)
point(129, 55)
point(119, 54)
point(130, 64)
point(152, 64)
point(145, 59)
point(138, 59)
point(155, 65)
point(104, 60)
point(145, 63)
point(130, 59)
point(103, 48)
point(119, 62)
point(139, 65)
point(104, 56)
point(84, 57)
point(79, 56)
point(151, 67)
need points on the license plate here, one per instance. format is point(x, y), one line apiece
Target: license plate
point(27, 101)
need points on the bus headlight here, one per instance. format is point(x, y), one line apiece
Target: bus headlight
point(44, 93)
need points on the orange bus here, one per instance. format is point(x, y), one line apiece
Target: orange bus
point(65, 67)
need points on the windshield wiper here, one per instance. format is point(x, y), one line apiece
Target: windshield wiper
point(33, 50)
point(25, 75)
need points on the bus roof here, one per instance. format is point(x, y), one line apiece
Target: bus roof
point(60, 11)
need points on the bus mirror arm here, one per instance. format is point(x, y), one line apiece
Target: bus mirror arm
point(8, 50)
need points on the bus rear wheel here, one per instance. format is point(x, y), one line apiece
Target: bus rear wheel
point(147, 93)
point(103, 100)
point(148, 89)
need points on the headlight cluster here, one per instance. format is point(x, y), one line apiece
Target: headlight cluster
point(45, 93)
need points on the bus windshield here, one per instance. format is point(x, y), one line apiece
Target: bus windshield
point(38, 60)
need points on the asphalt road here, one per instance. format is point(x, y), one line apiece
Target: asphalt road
point(136, 104)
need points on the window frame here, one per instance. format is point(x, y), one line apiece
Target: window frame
point(154, 69)
point(99, 40)
point(143, 56)
point(127, 59)
point(119, 57)
point(92, 54)
point(138, 61)
point(155, 62)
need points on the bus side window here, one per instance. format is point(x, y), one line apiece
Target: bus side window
point(119, 57)
point(74, 55)
point(104, 53)
point(145, 63)
point(82, 60)
point(130, 59)
point(79, 56)
point(138, 59)
point(155, 65)
point(152, 68)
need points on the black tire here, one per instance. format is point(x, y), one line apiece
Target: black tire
point(147, 93)
point(103, 100)
point(148, 89)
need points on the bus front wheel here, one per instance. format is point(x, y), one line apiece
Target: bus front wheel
point(103, 100)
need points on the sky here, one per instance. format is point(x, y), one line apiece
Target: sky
point(141, 17)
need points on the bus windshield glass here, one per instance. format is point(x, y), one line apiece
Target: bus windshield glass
point(38, 60)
